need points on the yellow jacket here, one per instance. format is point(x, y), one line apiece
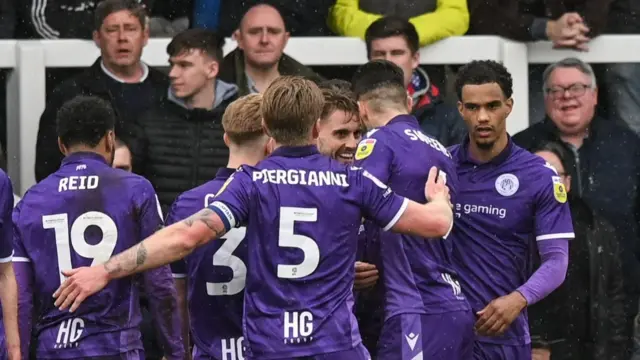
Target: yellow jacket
point(451, 18)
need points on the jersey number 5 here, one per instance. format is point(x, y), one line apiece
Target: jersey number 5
point(99, 252)
point(286, 238)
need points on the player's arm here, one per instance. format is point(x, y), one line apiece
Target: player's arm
point(163, 247)
point(24, 278)
point(431, 220)
point(179, 272)
point(8, 285)
point(158, 283)
point(553, 229)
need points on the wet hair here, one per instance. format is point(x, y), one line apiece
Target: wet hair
point(84, 120)
point(381, 84)
point(242, 120)
point(291, 106)
point(480, 72)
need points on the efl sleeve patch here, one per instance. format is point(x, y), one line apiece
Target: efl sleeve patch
point(365, 148)
point(559, 192)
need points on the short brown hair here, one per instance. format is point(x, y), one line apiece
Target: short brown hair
point(242, 121)
point(291, 106)
point(204, 40)
point(338, 99)
point(108, 7)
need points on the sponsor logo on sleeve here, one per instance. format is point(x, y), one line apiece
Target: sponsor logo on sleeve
point(365, 148)
point(507, 184)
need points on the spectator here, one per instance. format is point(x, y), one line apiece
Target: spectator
point(259, 58)
point(181, 139)
point(584, 318)
point(394, 39)
point(117, 76)
point(433, 20)
point(303, 18)
point(122, 158)
point(600, 148)
point(60, 19)
point(568, 24)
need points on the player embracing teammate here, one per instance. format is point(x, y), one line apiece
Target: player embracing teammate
point(297, 213)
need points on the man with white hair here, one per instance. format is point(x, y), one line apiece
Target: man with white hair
point(601, 148)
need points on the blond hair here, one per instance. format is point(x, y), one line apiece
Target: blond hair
point(291, 106)
point(242, 121)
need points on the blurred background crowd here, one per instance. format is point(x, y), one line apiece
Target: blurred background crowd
point(584, 119)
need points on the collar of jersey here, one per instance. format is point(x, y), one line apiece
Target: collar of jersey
point(406, 118)
point(83, 156)
point(463, 153)
point(295, 151)
point(224, 172)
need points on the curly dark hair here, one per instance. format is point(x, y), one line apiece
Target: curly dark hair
point(480, 72)
point(85, 120)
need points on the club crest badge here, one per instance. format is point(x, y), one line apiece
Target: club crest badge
point(507, 184)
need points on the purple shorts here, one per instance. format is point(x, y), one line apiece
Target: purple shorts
point(488, 351)
point(444, 336)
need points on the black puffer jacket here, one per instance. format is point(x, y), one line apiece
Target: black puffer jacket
point(551, 319)
point(128, 101)
point(179, 149)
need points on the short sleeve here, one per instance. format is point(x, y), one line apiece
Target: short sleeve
point(380, 204)
point(20, 252)
point(552, 215)
point(232, 202)
point(150, 211)
point(376, 157)
point(6, 225)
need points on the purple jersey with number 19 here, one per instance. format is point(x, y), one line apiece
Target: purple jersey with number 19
point(215, 275)
point(80, 216)
point(302, 211)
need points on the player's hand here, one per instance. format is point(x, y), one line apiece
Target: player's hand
point(79, 285)
point(436, 189)
point(496, 317)
point(366, 275)
point(540, 354)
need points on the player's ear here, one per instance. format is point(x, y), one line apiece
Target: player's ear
point(509, 104)
point(315, 132)
point(409, 102)
point(269, 147)
point(460, 107)
point(225, 137)
point(63, 149)
point(111, 142)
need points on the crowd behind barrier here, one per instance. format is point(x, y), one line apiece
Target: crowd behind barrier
point(30, 59)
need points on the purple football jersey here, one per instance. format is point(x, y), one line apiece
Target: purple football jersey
point(502, 207)
point(216, 276)
point(418, 275)
point(6, 234)
point(303, 211)
point(82, 215)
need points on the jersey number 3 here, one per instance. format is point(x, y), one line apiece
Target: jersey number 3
point(75, 239)
point(224, 257)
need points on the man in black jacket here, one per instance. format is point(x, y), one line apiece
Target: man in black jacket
point(606, 174)
point(396, 40)
point(118, 76)
point(180, 141)
point(584, 318)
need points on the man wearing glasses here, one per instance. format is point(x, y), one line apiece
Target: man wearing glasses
point(606, 171)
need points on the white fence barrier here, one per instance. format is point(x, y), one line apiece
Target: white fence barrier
point(29, 60)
